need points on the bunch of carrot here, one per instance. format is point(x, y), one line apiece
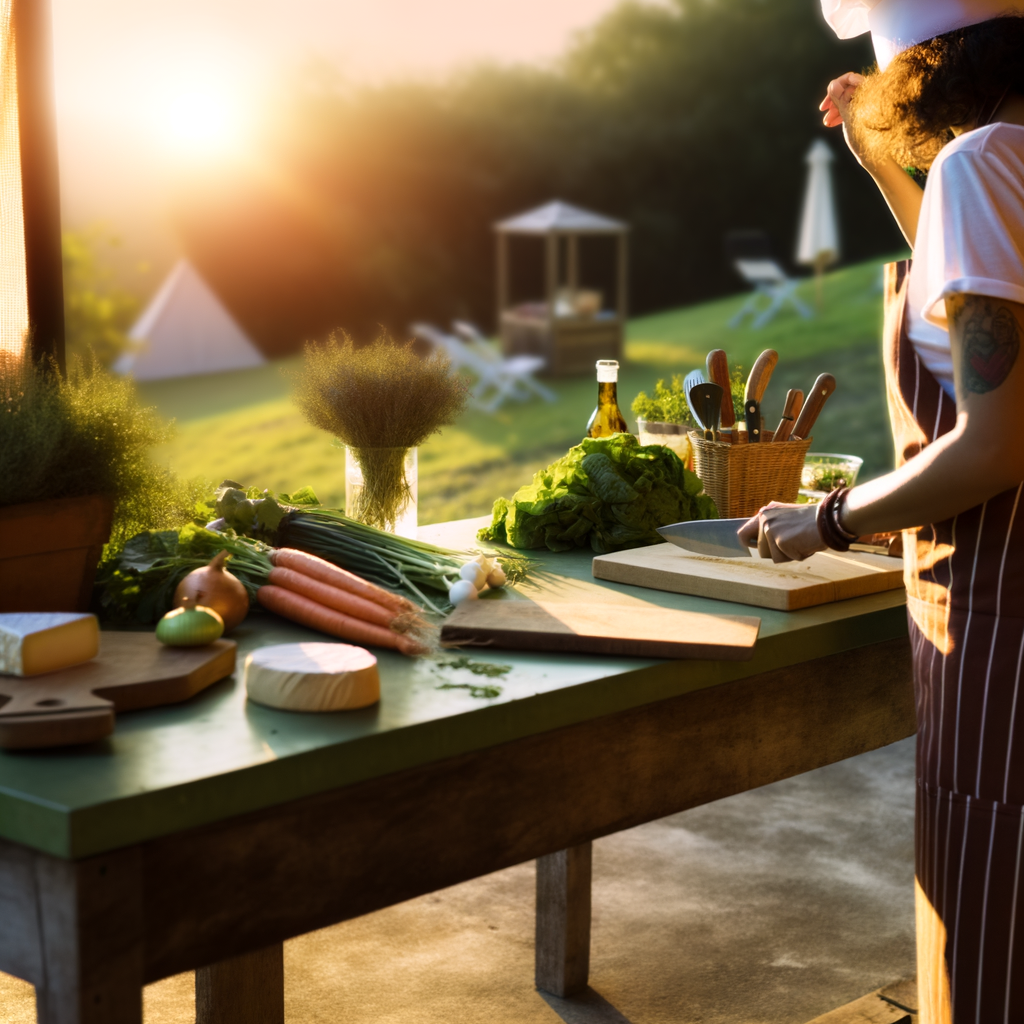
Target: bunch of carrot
point(314, 593)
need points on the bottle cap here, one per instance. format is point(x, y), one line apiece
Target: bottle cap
point(607, 371)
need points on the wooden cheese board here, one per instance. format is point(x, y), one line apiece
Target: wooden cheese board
point(132, 671)
point(634, 630)
point(824, 577)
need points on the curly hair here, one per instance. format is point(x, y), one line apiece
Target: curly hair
point(959, 78)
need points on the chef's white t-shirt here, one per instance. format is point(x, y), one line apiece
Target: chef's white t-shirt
point(970, 236)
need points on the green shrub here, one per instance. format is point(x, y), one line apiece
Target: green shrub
point(85, 432)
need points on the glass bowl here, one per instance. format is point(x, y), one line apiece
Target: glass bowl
point(825, 471)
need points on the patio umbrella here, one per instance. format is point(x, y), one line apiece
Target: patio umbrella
point(819, 231)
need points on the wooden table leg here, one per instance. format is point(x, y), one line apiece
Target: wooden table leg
point(563, 920)
point(247, 989)
point(90, 939)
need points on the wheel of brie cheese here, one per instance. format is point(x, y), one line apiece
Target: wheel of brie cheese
point(312, 677)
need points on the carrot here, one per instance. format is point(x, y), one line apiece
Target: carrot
point(307, 612)
point(322, 570)
point(333, 597)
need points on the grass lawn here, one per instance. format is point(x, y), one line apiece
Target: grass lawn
point(243, 426)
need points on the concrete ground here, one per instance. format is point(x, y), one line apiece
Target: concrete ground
point(773, 906)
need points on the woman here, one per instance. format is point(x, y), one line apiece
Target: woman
point(949, 98)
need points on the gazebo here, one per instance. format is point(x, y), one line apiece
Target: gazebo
point(569, 327)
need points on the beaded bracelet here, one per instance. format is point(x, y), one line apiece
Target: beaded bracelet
point(827, 519)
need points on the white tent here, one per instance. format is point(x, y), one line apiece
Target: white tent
point(186, 331)
point(819, 229)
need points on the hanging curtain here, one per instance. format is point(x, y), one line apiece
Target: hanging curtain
point(31, 276)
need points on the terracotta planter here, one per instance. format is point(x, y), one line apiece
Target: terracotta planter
point(49, 551)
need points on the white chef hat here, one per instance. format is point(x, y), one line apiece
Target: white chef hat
point(897, 24)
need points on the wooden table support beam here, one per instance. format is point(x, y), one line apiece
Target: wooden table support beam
point(89, 933)
point(563, 920)
point(246, 989)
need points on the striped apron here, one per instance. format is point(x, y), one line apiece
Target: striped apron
point(965, 602)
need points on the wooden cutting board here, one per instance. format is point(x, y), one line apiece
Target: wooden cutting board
point(824, 577)
point(132, 670)
point(634, 630)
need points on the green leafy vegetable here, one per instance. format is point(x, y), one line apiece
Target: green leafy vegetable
point(608, 493)
point(137, 585)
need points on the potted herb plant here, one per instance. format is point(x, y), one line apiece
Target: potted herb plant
point(75, 472)
point(664, 418)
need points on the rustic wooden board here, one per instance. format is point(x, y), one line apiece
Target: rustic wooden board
point(132, 670)
point(634, 630)
point(824, 577)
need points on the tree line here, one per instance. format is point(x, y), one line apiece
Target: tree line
point(374, 206)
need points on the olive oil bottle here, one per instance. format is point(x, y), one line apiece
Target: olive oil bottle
point(607, 419)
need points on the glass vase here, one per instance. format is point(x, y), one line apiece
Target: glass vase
point(381, 488)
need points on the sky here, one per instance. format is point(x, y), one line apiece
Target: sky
point(141, 84)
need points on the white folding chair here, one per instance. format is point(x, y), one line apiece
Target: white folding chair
point(771, 281)
point(497, 378)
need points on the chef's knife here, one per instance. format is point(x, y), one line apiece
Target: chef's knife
point(760, 374)
point(823, 387)
point(794, 403)
point(718, 372)
point(716, 537)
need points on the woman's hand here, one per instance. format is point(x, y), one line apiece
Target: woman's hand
point(901, 192)
point(836, 108)
point(784, 533)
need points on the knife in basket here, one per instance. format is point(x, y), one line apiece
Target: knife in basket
point(823, 387)
point(715, 537)
point(794, 403)
point(718, 372)
point(760, 374)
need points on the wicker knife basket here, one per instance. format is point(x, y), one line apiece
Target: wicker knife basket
point(742, 478)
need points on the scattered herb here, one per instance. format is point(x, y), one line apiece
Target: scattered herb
point(607, 492)
point(486, 690)
point(478, 668)
point(379, 400)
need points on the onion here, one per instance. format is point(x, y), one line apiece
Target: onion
point(189, 626)
point(214, 587)
point(497, 577)
point(462, 590)
point(474, 572)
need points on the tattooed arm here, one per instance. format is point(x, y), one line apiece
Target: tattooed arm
point(982, 456)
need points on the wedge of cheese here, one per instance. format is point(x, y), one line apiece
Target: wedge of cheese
point(312, 677)
point(35, 642)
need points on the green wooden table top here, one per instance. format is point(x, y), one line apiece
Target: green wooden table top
point(217, 755)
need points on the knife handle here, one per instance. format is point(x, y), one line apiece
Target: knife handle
point(752, 414)
point(718, 372)
point(760, 374)
point(823, 387)
point(794, 403)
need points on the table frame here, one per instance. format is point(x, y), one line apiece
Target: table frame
point(223, 897)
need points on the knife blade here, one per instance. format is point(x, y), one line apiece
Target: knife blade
point(715, 537)
point(760, 374)
point(823, 387)
point(794, 403)
point(718, 372)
